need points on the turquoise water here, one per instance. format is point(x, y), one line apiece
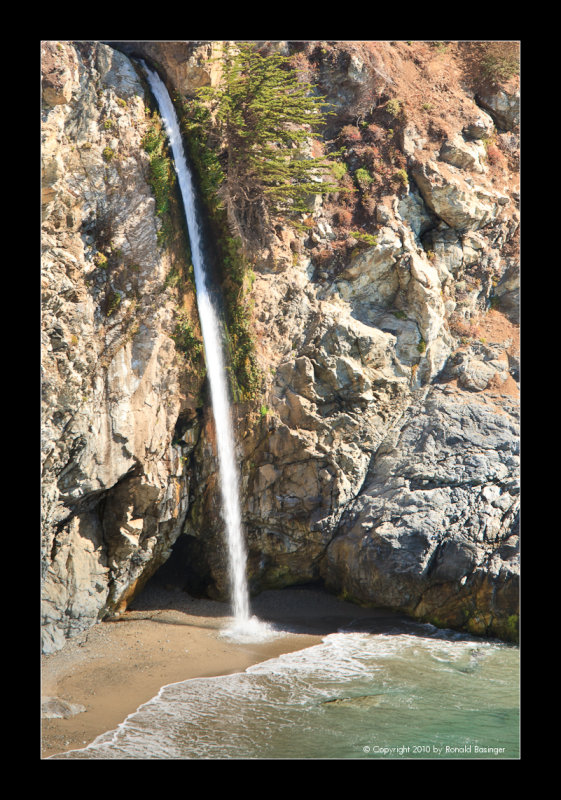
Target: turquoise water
point(416, 693)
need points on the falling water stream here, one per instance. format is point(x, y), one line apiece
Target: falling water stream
point(405, 691)
point(244, 626)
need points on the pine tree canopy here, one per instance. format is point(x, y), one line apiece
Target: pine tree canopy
point(266, 119)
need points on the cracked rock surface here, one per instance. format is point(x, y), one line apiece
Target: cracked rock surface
point(381, 457)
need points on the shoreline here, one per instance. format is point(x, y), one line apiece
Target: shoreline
point(167, 637)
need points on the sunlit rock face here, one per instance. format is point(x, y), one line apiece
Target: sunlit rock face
point(381, 455)
point(114, 488)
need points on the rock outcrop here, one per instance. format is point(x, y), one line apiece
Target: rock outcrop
point(114, 486)
point(381, 456)
point(435, 530)
point(384, 461)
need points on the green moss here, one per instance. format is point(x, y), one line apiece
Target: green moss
point(237, 276)
point(365, 238)
point(108, 154)
point(402, 177)
point(339, 170)
point(185, 338)
point(162, 176)
point(512, 627)
point(363, 178)
point(393, 106)
point(113, 303)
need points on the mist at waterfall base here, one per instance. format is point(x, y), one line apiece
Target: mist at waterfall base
point(244, 627)
point(410, 692)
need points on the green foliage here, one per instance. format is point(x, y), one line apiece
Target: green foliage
point(393, 106)
point(100, 260)
point(113, 303)
point(402, 177)
point(185, 339)
point(250, 139)
point(245, 374)
point(264, 410)
point(173, 278)
point(365, 238)
point(108, 154)
point(197, 123)
point(422, 346)
point(246, 377)
point(266, 116)
point(363, 178)
point(162, 174)
point(339, 170)
point(499, 68)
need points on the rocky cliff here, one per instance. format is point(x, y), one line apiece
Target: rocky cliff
point(114, 386)
point(380, 455)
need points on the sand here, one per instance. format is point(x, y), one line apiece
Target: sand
point(165, 637)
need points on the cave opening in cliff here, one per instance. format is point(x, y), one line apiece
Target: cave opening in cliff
point(186, 569)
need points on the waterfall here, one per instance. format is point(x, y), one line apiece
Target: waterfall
point(244, 627)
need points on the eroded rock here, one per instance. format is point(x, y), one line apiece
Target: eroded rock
point(113, 484)
point(434, 533)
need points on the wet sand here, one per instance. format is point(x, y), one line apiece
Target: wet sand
point(168, 636)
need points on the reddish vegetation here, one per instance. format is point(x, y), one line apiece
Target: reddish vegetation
point(428, 86)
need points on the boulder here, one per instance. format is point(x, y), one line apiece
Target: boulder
point(434, 531)
point(462, 154)
point(504, 107)
point(453, 199)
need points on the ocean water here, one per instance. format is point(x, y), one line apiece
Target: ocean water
point(415, 692)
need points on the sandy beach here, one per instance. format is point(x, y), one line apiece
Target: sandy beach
point(165, 637)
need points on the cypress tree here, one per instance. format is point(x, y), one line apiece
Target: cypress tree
point(265, 118)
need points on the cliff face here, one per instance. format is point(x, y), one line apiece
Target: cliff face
point(114, 486)
point(381, 456)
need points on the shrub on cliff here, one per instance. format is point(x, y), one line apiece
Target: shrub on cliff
point(264, 119)
point(500, 61)
point(162, 175)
